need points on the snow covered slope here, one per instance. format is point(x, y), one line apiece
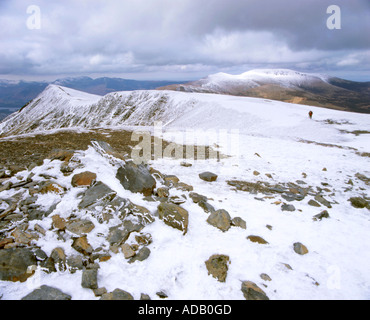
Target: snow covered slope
point(277, 144)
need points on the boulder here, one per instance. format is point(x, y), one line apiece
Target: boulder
point(300, 249)
point(220, 219)
point(184, 187)
point(98, 193)
point(170, 180)
point(208, 176)
point(163, 192)
point(82, 245)
point(322, 215)
point(15, 263)
point(359, 203)
point(217, 266)
point(80, 226)
point(313, 203)
point(127, 251)
point(143, 214)
point(75, 262)
point(174, 216)
point(207, 208)
point(323, 201)
point(136, 178)
point(59, 258)
point(47, 293)
point(90, 279)
point(117, 294)
point(197, 197)
point(257, 239)
point(252, 292)
point(288, 207)
point(239, 222)
point(119, 234)
point(84, 179)
point(145, 296)
point(142, 255)
point(59, 223)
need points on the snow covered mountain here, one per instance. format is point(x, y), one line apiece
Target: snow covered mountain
point(15, 94)
point(62, 108)
point(288, 86)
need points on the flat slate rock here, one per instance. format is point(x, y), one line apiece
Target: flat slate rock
point(136, 178)
point(97, 193)
point(47, 293)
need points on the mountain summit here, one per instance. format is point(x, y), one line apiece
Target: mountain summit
point(287, 86)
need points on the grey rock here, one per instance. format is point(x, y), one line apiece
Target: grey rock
point(14, 264)
point(127, 251)
point(144, 296)
point(47, 293)
point(239, 222)
point(359, 203)
point(300, 249)
point(142, 255)
point(220, 219)
point(174, 216)
point(323, 201)
point(265, 277)
point(197, 197)
point(313, 203)
point(208, 208)
point(97, 194)
point(117, 294)
point(321, 215)
point(136, 178)
point(208, 176)
point(100, 291)
point(90, 279)
point(119, 234)
point(75, 263)
point(162, 294)
point(59, 257)
point(80, 226)
point(288, 207)
point(252, 292)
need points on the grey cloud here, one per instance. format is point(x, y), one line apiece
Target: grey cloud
point(139, 36)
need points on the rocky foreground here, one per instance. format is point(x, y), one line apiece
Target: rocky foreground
point(20, 257)
point(30, 197)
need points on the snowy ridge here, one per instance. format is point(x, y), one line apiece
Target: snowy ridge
point(63, 108)
point(254, 78)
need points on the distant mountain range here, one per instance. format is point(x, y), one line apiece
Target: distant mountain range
point(287, 86)
point(272, 84)
point(15, 94)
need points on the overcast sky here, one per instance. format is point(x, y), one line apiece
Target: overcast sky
point(181, 39)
